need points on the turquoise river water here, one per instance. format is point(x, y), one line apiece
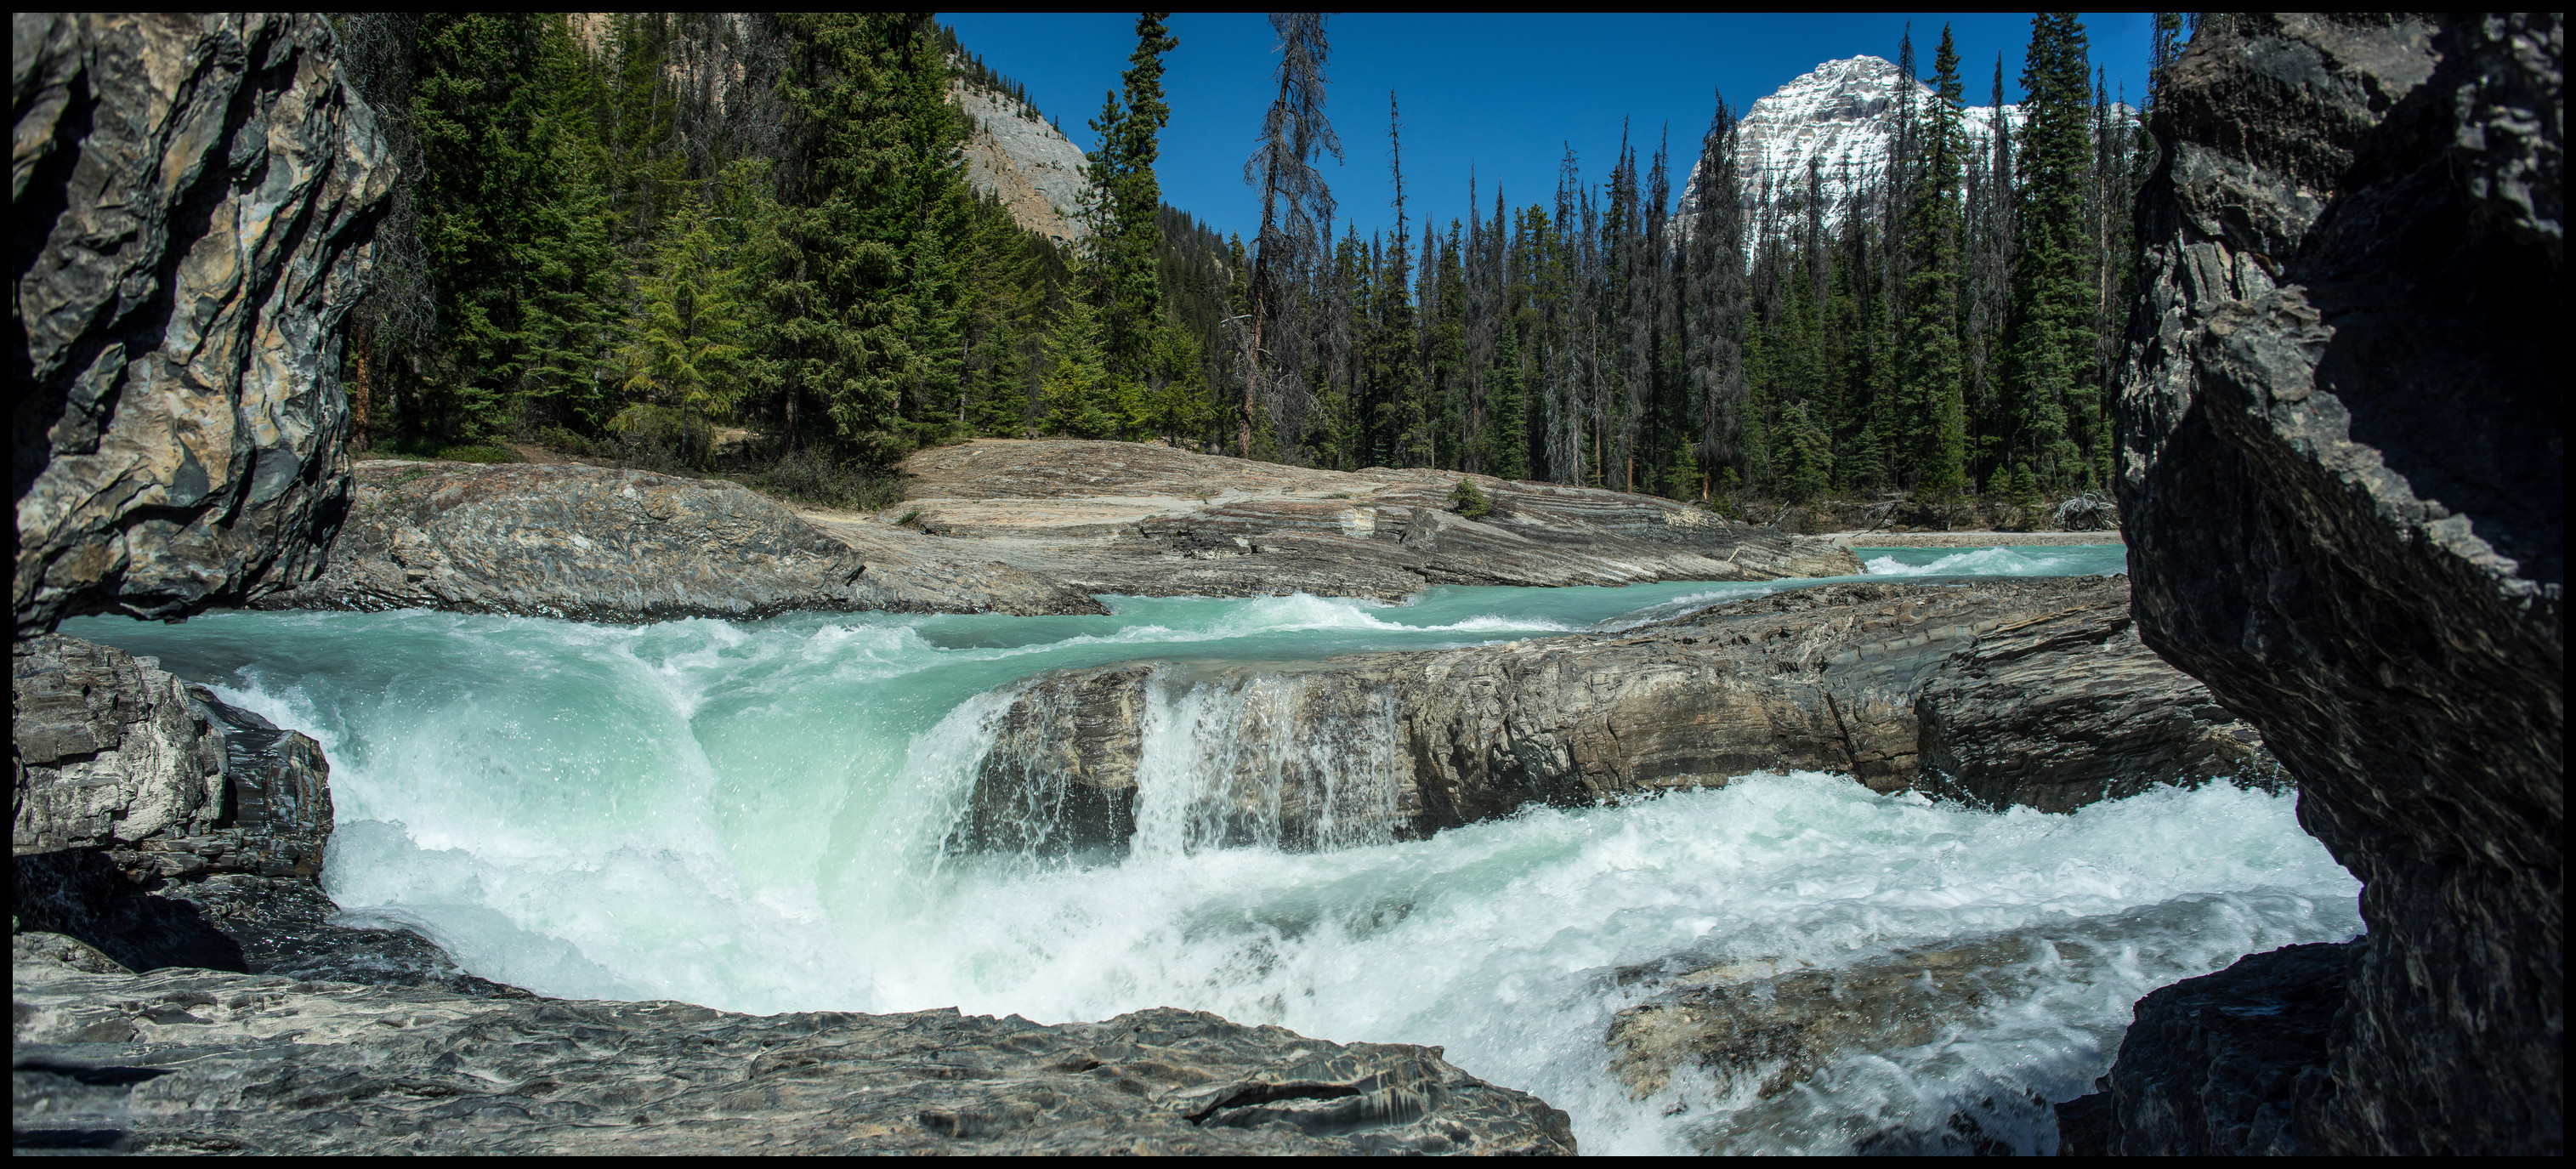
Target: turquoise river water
point(751, 816)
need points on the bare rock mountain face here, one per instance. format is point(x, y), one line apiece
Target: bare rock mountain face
point(194, 197)
point(595, 544)
point(1024, 161)
point(1144, 519)
point(2342, 475)
point(2034, 693)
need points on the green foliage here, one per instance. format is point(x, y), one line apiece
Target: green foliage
point(1467, 500)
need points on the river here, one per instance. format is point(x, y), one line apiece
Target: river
point(757, 817)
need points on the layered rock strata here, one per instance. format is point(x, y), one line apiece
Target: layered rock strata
point(1149, 520)
point(2342, 477)
point(200, 1061)
point(2004, 692)
point(194, 196)
point(595, 544)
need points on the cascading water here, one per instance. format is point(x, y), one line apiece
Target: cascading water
point(767, 817)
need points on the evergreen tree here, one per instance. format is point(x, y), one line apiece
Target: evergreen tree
point(2054, 401)
point(1081, 395)
point(1126, 233)
point(1933, 423)
point(687, 352)
point(1296, 205)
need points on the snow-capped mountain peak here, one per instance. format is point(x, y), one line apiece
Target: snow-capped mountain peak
point(1842, 114)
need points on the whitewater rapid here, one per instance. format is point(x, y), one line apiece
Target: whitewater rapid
point(759, 817)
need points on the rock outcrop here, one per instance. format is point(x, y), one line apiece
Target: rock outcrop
point(166, 828)
point(1144, 519)
point(2004, 692)
point(2218, 1065)
point(200, 1061)
point(594, 544)
point(194, 197)
point(2343, 484)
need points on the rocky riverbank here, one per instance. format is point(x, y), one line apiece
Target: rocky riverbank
point(2033, 693)
point(595, 544)
point(200, 1061)
point(1143, 519)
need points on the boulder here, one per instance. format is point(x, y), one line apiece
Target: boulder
point(199, 1061)
point(596, 544)
point(194, 197)
point(2342, 480)
point(2001, 692)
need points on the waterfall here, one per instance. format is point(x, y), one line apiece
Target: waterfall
point(1268, 761)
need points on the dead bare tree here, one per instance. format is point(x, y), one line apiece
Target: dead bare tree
point(1296, 205)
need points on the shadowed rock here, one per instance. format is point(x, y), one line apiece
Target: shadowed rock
point(594, 544)
point(2219, 1064)
point(199, 1061)
point(2342, 476)
point(2028, 692)
point(193, 198)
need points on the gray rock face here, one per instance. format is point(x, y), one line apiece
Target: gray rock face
point(165, 828)
point(2342, 479)
point(2032, 692)
point(200, 1061)
point(194, 196)
point(112, 753)
point(594, 544)
point(1143, 519)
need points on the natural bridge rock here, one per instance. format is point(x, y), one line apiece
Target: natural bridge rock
point(2004, 692)
point(595, 544)
point(1143, 519)
point(201, 1061)
point(2342, 475)
point(194, 196)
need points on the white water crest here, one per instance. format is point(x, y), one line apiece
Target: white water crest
point(764, 817)
point(2014, 560)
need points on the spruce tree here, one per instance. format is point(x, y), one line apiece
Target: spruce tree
point(2049, 375)
point(684, 362)
point(1933, 424)
point(1125, 234)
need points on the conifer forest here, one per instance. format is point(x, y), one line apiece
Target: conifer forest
point(748, 243)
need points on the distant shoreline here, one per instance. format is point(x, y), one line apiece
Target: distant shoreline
point(1966, 539)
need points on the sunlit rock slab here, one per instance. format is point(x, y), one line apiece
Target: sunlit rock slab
point(1146, 519)
point(200, 1061)
point(593, 543)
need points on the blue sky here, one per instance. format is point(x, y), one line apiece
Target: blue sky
point(1504, 94)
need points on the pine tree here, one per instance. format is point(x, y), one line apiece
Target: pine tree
point(1296, 205)
point(1079, 391)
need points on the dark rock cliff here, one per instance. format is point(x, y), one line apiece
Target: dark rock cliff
point(194, 197)
point(2342, 475)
